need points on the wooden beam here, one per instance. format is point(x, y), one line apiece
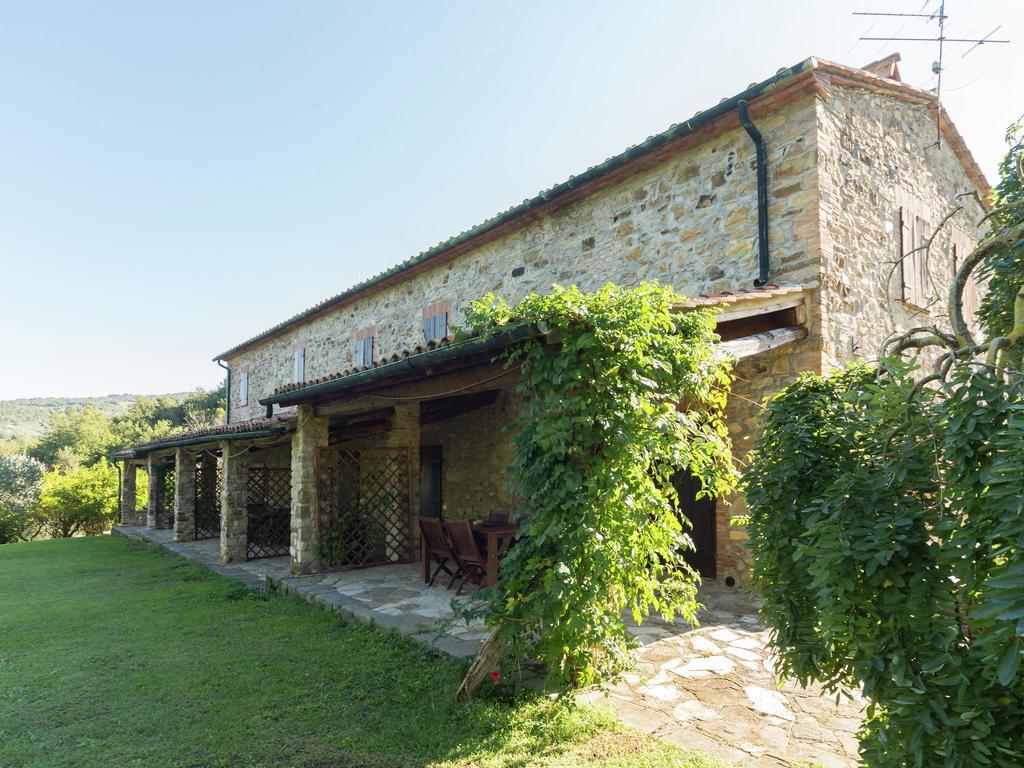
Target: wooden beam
point(746, 346)
point(465, 382)
point(751, 308)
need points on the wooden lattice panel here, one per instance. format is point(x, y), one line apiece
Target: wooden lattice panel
point(165, 497)
point(207, 499)
point(269, 508)
point(365, 509)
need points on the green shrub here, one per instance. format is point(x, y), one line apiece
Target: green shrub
point(21, 478)
point(79, 500)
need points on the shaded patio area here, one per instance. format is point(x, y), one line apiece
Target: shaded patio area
point(711, 688)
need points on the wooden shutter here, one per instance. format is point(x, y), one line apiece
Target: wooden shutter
point(364, 351)
point(914, 233)
point(436, 326)
point(243, 388)
point(299, 372)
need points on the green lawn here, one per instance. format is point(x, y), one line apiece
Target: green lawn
point(116, 653)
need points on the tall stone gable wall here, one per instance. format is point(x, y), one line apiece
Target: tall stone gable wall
point(875, 149)
point(690, 222)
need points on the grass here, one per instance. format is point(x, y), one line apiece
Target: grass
point(114, 652)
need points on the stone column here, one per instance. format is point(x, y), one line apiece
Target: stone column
point(128, 516)
point(153, 489)
point(310, 435)
point(405, 433)
point(234, 520)
point(184, 495)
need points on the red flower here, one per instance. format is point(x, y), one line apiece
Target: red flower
point(495, 675)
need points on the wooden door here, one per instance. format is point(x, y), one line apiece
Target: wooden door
point(431, 467)
point(701, 514)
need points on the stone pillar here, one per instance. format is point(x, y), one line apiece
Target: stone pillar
point(405, 433)
point(128, 516)
point(152, 488)
point(310, 435)
point(184, 495)
point(234, 520)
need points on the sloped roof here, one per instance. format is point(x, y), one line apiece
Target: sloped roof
point(277, 423)
point(787, 76)
point(289, 393)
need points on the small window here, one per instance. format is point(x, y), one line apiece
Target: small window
point(915, 232)
point(299, 371)
point(435, 326)
point(364, 351)
point(243, 388)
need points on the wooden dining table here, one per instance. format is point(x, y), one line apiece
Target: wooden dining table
point(493, 534)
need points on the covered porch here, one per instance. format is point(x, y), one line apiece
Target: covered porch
point(340, 475)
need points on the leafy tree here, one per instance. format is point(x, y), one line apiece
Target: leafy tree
point(597, 443)
point(146, 419)
point(1004, 268)
point(86, 433)
point(887, 525)
point(203, 408)
point(81, 500)
point(21, 478)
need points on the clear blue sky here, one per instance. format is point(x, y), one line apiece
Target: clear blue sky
point(178, 176)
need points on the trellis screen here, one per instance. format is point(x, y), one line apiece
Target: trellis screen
point(165, 497)
point(269, 507)
point(365, 511)
point(207, 498)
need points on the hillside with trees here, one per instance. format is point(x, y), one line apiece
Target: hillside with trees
point(61, 482)
point(25, 419)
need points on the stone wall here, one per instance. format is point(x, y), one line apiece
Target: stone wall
point(475, 448)
point(756, 378)
point(690, 222)
point(875, 150)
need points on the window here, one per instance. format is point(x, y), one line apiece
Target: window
point(364, 351)
point(243, 388)
point(435, 326)
point(914, 234)
point(299, 370)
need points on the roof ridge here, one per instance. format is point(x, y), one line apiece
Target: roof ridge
point(574, 181)
point(674, 131)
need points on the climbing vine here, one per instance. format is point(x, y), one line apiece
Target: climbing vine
point(887, 526)
point(601, 433)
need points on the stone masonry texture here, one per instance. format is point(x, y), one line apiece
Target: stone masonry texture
point(152, 485)
point(309, 437)
point(234, 520)
point(839, 160)
point(184, 495)
point(129, 515)
point(690, 222)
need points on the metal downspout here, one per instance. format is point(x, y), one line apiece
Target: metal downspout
point(227, 393)
point(763, 264)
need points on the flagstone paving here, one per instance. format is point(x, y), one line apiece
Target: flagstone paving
point(711, 688)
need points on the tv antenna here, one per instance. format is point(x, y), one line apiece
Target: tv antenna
point(941, 39)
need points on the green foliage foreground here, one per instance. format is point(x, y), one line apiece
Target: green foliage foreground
point(115, 653)
point(887, 529)
point(596, 445)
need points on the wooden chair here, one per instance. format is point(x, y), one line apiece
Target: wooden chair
point(467, 552)
point(438, 549)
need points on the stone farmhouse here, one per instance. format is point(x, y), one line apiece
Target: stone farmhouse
point(790, 205)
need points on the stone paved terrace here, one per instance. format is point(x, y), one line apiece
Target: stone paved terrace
point(710, 688)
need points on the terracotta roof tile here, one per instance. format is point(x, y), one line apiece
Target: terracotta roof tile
point(283, 420)
point(394, 358)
